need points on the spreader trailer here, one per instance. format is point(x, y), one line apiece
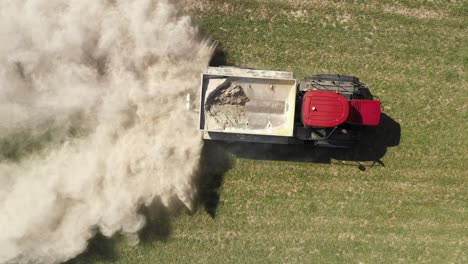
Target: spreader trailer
point(249, 105)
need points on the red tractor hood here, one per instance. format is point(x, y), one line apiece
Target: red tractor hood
point(329, 109)
point(364, 112)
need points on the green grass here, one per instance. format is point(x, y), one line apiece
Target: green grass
point(414, 57)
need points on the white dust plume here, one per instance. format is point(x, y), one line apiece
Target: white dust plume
point(93, 124)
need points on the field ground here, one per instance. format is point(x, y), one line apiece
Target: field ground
point(271, 204)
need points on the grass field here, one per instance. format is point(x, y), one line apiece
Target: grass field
point(281, 208)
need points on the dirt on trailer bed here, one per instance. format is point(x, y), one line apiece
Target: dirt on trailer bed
point(227, 104)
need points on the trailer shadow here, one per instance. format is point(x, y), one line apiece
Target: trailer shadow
point(372, 148)
point(219, 57)
point(100, 249)
point(215, 162)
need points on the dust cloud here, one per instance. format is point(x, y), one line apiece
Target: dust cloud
point(93, 123)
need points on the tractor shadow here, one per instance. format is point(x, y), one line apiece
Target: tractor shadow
point(370, 150)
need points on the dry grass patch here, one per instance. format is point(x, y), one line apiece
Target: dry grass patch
point(310, 3)
point(419, 13)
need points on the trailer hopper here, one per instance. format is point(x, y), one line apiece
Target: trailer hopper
point(247, 102)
